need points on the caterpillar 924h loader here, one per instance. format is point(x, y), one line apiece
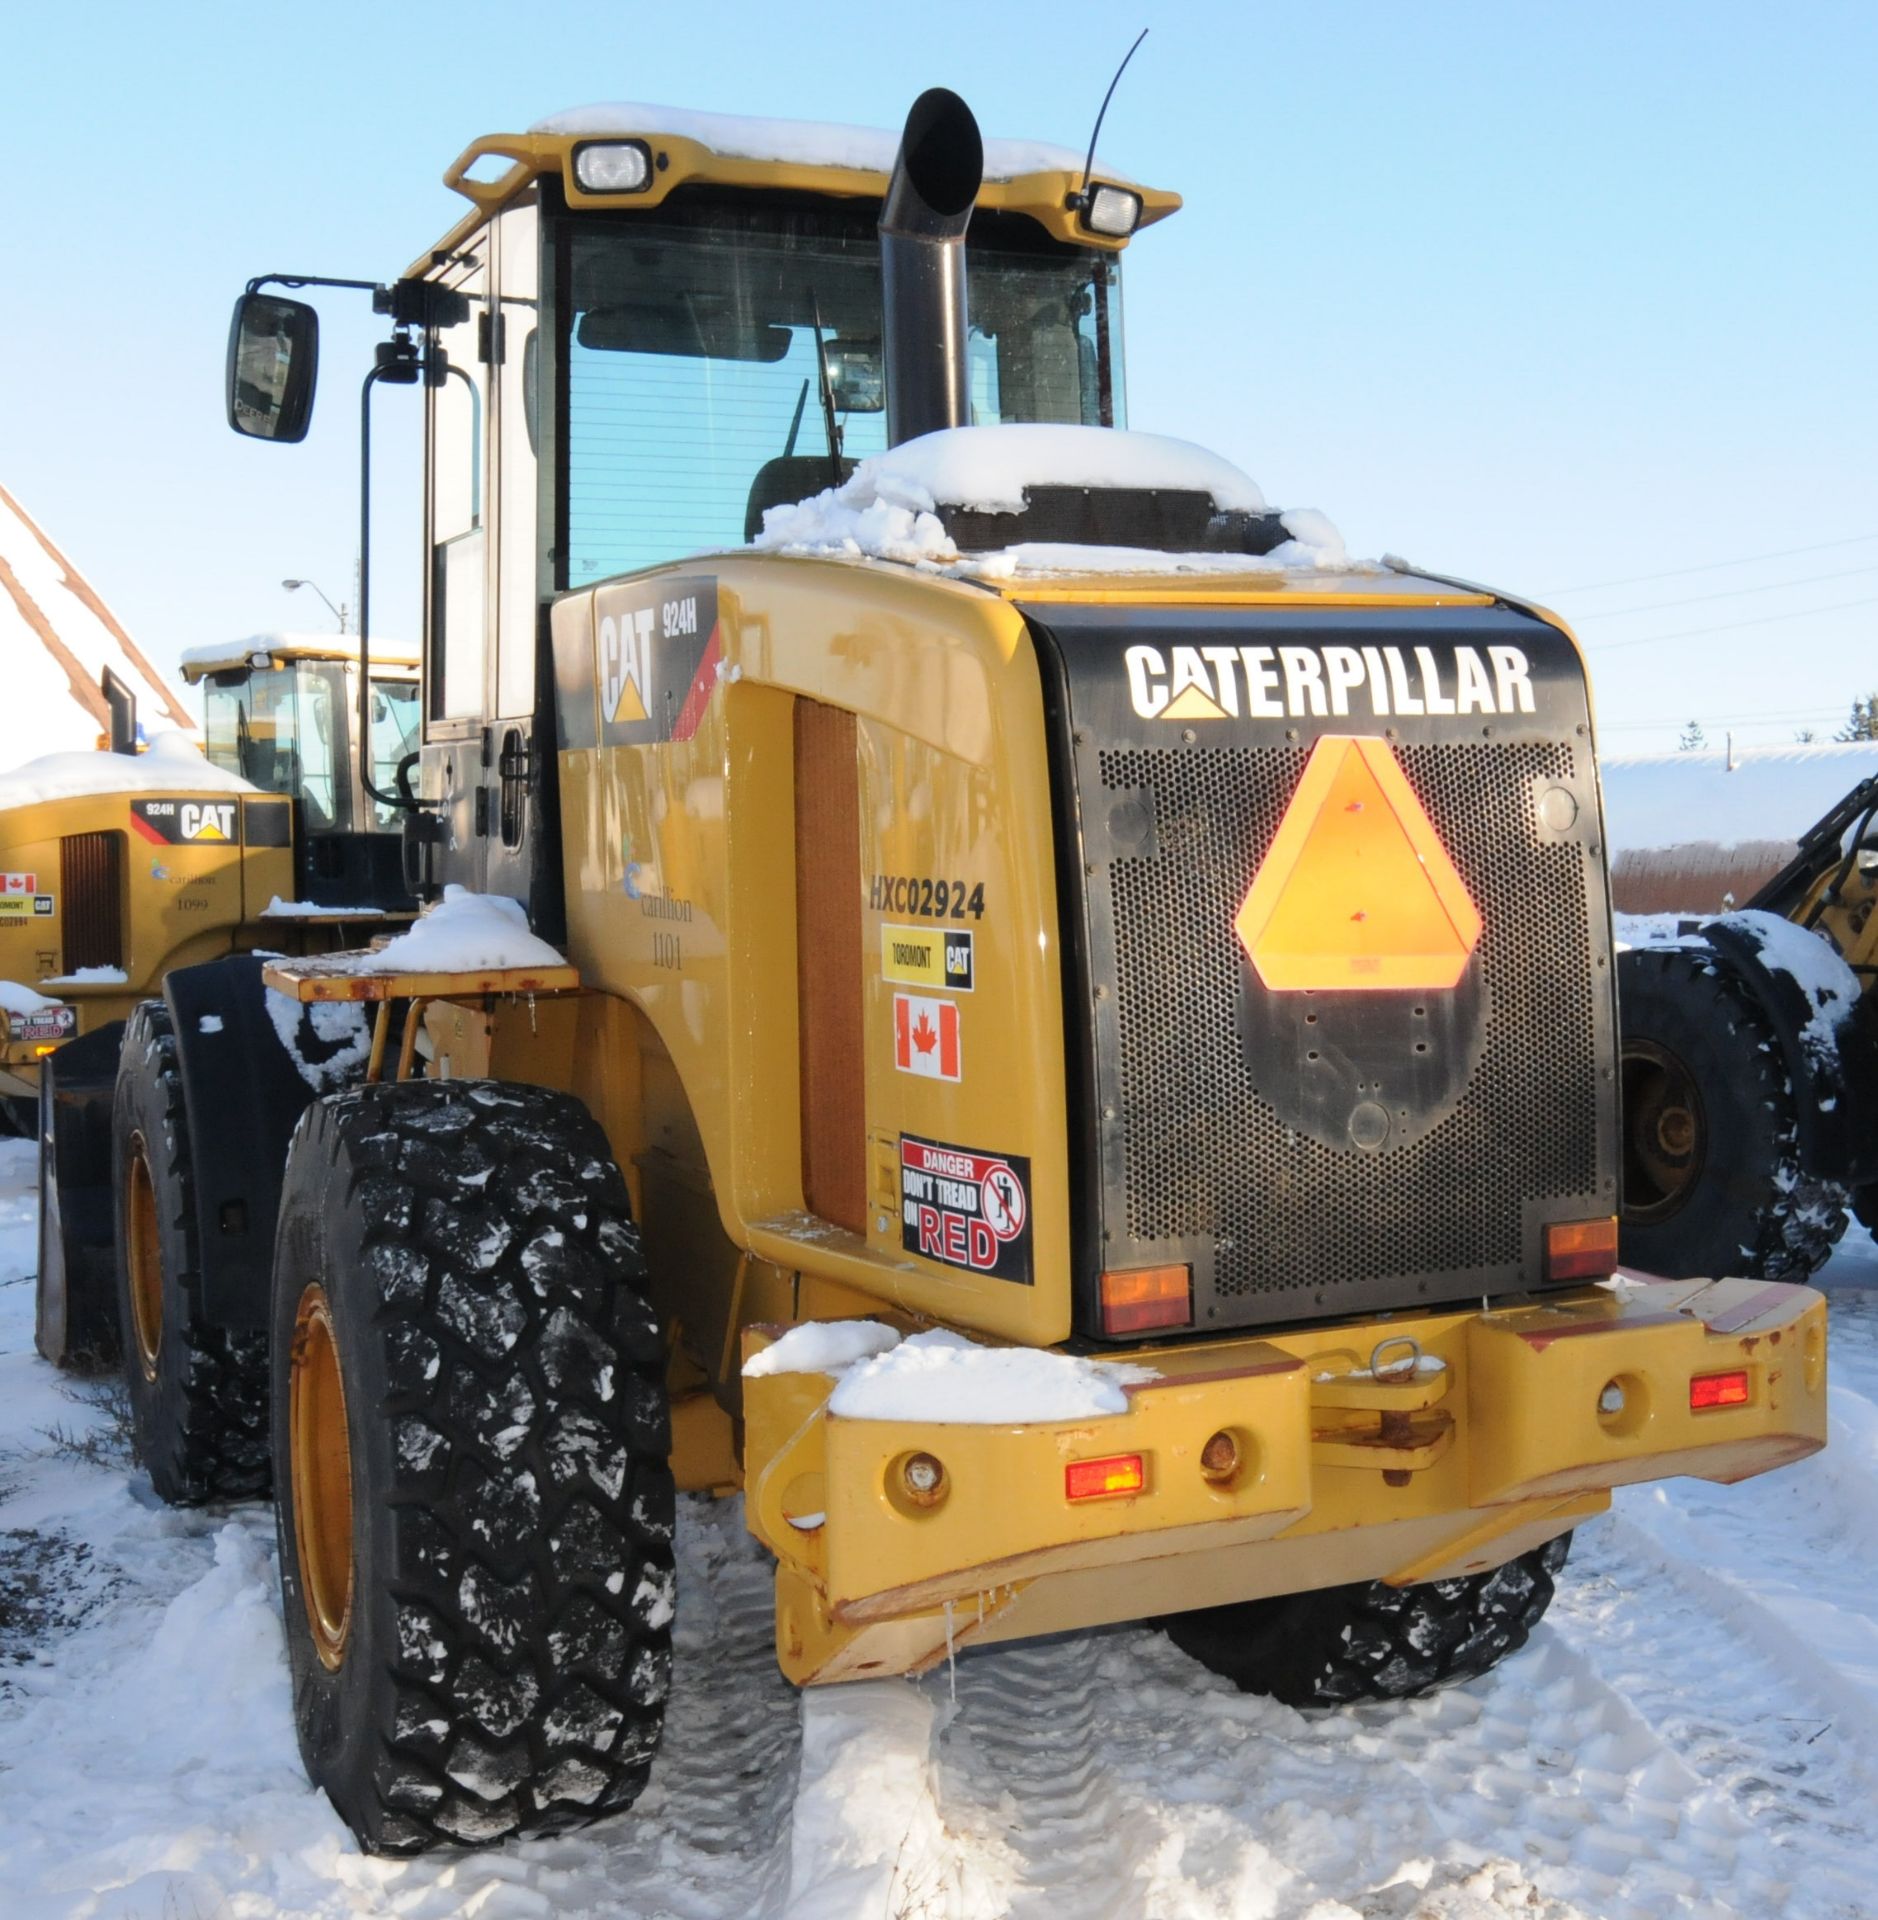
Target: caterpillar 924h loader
point(147, 864)
point(1084, 1082)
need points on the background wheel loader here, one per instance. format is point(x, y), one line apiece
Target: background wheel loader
point(144, 864)
point(1048, 1030)
point(1750, 1067)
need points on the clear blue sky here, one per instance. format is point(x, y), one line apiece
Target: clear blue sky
point(1546, 296)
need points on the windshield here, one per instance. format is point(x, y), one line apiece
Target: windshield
point(284, 728)
point(695, 391)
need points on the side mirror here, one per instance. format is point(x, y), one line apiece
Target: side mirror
point(273, 364)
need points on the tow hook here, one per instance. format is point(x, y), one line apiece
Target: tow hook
point(1384, 1415)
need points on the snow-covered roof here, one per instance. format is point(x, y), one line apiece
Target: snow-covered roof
point(888, 507)
point(219, 656)
point(1770, 794)
point(173, 764)
point(56, 638)
point(805, 143)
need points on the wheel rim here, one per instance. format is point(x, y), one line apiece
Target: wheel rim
point(144, 1256)
point(321, 1477)
point(1665, 1132)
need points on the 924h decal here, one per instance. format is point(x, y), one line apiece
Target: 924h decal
point(966, 1209)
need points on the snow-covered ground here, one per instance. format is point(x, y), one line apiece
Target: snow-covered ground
point(1693, 1731)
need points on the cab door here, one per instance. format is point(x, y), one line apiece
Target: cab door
point(519, 860)
point(457, 613)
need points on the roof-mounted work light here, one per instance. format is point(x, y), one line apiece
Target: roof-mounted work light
point(1113, 212)
point(613, 166)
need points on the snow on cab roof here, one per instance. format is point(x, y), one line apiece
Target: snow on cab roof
point(223, 655)
point(803, 143)
point(173, 763)
point(888, 507)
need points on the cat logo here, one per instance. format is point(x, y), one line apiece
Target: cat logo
point(626, 666)
point(207, 820)
point(175, 823)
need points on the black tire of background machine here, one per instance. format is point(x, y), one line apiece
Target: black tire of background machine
point(74, 1296)
point(1752, 1209)
point(1370, 1641)
point(509, 1652)
point(200, 1417)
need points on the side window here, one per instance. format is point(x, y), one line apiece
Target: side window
point(518, 285)
point(459, 424)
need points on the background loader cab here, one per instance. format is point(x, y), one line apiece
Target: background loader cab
point(281, 711)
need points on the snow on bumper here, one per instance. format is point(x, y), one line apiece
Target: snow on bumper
point(1338, 1471)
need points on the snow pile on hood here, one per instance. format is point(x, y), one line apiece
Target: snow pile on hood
point(943, 1377)
point(15, 998)
point(802, 143)
point(888, 507)
point(173, 764)
point(464, 932)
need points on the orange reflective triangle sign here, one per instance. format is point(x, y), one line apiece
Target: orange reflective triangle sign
point(1357, 890)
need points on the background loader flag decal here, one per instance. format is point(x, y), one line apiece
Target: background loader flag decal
point(1357, 889)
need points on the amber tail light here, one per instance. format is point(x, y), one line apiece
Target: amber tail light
point(1581, 1249)
point(1147, 1298)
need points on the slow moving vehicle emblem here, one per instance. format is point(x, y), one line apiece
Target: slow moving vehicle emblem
point(1357, 890)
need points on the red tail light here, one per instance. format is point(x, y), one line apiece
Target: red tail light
point(1718, 1390)
point(1092, 1479)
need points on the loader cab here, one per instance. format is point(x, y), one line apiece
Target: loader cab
point(650, 330)
point(281, 711)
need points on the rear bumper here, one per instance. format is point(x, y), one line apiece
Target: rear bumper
point(1340, 1476)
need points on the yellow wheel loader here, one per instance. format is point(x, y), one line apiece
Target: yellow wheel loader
point(1750, 1067)
point(121, 868)
point(1020, 1011)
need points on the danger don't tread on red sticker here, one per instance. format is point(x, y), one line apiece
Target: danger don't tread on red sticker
point(966, 1209)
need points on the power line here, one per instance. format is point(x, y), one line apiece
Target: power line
point(1710, 566)
point(1728, 593)
point(1733, 626)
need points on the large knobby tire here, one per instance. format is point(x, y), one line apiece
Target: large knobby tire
point(471, 1445)
point(198, 1392)
point(1712, 1179)
point(1370, 1641)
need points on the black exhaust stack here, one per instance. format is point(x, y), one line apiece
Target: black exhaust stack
point(121, 704)
point(929, 202)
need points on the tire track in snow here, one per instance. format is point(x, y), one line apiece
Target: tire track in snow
point(1777, 1777)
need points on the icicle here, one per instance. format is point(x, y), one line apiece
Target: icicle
point(952, 1665)
point(981, 1606)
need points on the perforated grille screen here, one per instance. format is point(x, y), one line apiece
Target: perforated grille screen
point(1206, 1156)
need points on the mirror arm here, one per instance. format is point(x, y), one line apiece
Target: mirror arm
point(397, 364)
point(308, 280)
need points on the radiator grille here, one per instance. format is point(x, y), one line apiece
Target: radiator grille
point(91, 900)
point(1206, 1158)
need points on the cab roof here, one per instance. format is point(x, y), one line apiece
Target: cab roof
point(803, 156)
point(396, 658)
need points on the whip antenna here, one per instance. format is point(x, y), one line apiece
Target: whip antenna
point(1088, 166)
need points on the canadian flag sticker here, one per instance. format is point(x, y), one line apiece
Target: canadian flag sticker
point(926, 1036)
